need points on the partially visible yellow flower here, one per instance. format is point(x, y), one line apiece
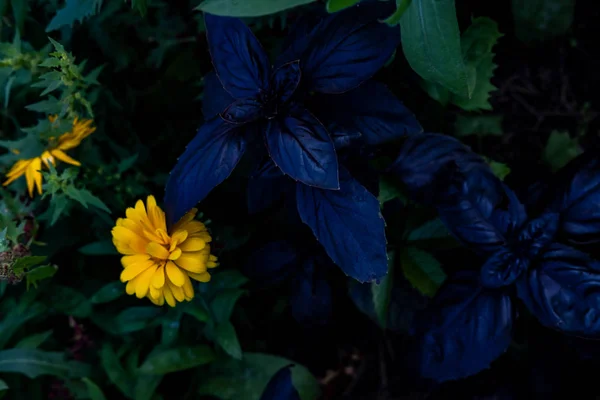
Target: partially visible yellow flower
point(31, 168)
point(157, 263)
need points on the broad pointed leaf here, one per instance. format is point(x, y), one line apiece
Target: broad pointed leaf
point(370, 111)
point(239, 60)
point(215, 98)
point(563, 291)
point(464, 329)
point(281, 387)
point(242, 111)
point(207, 161)
point(302, 149)
point(285, 80)
point(348, 224)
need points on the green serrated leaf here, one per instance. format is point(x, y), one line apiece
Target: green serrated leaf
point(40, 273)
point(560, 149)
point(177, 359)
point(248, 8)
point(73, 11)
point(88, 197)
point(94, 392)
point(382, 293)
point(499, 169)
point(126, 163)
point(33, 341)
point(390, 189)
point(227, 338)
point(422, 270)
point(537, 20)
point(108, 293)
point(27, 262)
point(224, 302)
point(431, 44)
point(484, 125)
point(99, 248)
point(48, 106)
point(338, 5)
point(115, 371)
point(222, 377)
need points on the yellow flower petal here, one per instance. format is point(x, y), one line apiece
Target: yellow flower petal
point(142, 282)
point(177, 291)
point(130, 260)
point(176, 276)
point(158, 279)
point(62, 156)
point(192, 244)
point(203, 277)
point(191, 263)
point(130, 288)
point(34, 176)
point(170, 299)
point(135, 270)
point(157, 251)
point(175, 254)
point(154, 293)
point(188, 288)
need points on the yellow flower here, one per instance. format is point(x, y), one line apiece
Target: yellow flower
point(56, 150)
point(159, 264)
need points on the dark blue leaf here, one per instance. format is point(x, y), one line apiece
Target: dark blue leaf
point(537, 234)
point(239, 60)
point(348, 224)
point(344, 49)
point(311, 298)
point(242, 111)
point(464, 329)
point(576, 196)
point(503, 268)
point(215, 98)
point(272, 263)
point(281, 387)
point(422, 158)
point(563, 291)
point(302, 148)
point(481, 211)
point(206, 162)
point(285, 80)
point(370, 111)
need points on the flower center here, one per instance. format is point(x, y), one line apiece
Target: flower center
point(164, 247)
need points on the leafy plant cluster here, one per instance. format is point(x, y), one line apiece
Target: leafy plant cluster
point(304, 132)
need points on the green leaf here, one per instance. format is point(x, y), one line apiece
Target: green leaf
point(382, 292)
point(94, 392)
point(338, 5)
point(145, 386)
point(20, 10)
point(88, 197)
point(389, 189)
point(432, 229)
point(136, 318)
point(140, 5)
point(401, 6)
point(431, 44)
point(227, 338)
point(108, 293)
point(48, 106)
point(196, 310)
point(537, 20)
point(177, 359)
point(74, 10)
point(483, 125)
point(222, 379)
point(99, 248)
point(476, 44)
point(37, 274)
point(69, 301)
point(27, 262)
point(224, 302)
point(560, 149)
point(170, 327)
point(422, 270)
point(33, 363)
point(3, 385)
point(499, 169)
point(18, 316)
point(115, 371)
point(248, 8)
point(127, 163)
point(59, 204)
point(33, 341)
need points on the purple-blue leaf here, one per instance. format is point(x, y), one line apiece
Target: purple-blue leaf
point(344, 49)
point(242, 111)
point(215, 98)
point(464, 329)
point(563, 291)
point(206, 162)
point(239, 60)
point(281, 387)
point(285, 80)
point(302, 148)
point(370, 111)
point(349, 226)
